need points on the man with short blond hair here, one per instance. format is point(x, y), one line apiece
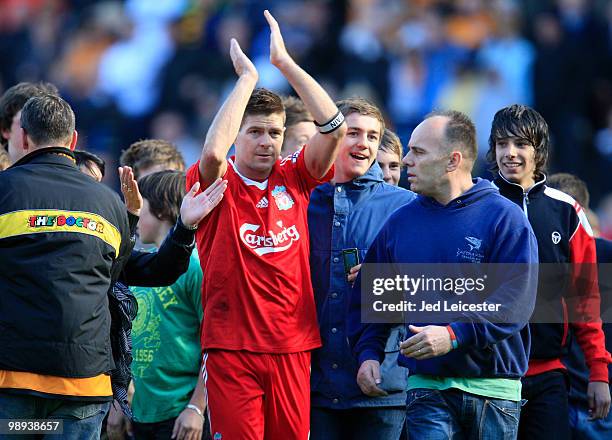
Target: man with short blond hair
point(344, 216)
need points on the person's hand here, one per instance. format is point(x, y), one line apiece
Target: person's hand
point(188, 426)
point(352, 275)
point(278, 53)
point(129, 188)
point(428, 342)
point(598, 394)
point(117, 424)
point(195, 207)
point(242, 64)
point(368, 379)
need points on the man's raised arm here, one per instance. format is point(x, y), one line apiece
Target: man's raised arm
point(224, 128)
point(322, 147)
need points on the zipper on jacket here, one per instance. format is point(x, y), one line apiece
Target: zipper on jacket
point(525, 203)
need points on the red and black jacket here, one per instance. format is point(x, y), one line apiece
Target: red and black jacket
point(568, 293)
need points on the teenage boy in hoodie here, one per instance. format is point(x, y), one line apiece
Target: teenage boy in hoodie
point(464, 376)
point(518, 149)
point(345, 215)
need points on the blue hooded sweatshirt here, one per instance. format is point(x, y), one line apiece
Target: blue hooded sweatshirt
point(424, 231)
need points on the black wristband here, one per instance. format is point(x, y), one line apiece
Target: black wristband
point(183, 225)
point(183, 235)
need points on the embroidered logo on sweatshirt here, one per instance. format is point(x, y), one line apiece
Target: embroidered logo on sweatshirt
point(473, 243)
point(473, 253)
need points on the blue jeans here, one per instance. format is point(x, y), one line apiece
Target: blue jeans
point(82, 420)
point(585, 429)
point(454, 414)
point(356, 423)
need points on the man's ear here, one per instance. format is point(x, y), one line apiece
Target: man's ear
point(73, 142)
point(25, 141)
point(454, 161)
point(6, 134)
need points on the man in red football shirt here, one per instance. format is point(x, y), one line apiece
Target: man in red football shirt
point(260, 320)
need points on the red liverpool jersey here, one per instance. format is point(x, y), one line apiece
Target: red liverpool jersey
point(256, 291)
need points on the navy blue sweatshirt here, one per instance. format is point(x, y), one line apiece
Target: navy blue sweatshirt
point(424, 231)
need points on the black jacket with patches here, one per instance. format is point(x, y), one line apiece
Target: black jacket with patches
point(568, 291)
point(64, 239)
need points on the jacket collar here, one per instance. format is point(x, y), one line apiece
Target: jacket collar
point(514, 189)
point(52, 155)
point(373, 176)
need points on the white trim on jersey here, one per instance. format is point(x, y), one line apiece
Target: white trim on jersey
point(563, 197)
point(261, 185)
point(205, 378)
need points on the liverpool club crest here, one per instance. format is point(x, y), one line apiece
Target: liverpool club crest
point(282, 198)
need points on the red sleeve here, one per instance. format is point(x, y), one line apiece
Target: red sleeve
point(586, 299)
point(297, 161)
point(192, 175)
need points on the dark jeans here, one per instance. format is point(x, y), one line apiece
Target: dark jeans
point(356, 423)
point(81, 420)
point(163, 430)
point(153, 431)
point(454, 414)
point(546, 413)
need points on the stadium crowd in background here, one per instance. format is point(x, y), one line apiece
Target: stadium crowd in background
point(134, 69)
point(180, 94)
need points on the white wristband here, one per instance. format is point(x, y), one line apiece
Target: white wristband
point(196, 409)
point(331, 125)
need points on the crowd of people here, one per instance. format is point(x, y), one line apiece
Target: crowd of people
point(246, 318)
point(133, 69)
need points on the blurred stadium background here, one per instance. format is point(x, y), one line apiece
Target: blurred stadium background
point(160, 68)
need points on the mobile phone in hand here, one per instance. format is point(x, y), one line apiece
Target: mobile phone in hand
point(351, 259)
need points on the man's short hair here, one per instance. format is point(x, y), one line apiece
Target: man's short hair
point(263, 102)
point(164, 190)
point(48, 120)
point(525, 123)
point(147, 153)
point(295, 111)
point(5, 160)
point(391, 143)
point(363, 107)
point(460, 132)
point(13, 100)
point(572, 185)
point(89, 160)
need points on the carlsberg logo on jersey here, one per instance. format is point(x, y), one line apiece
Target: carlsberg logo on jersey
point(265, 244)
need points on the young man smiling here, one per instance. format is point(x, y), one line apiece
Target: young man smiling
point(518, 150)
point(346, 215)
point(259, 313)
